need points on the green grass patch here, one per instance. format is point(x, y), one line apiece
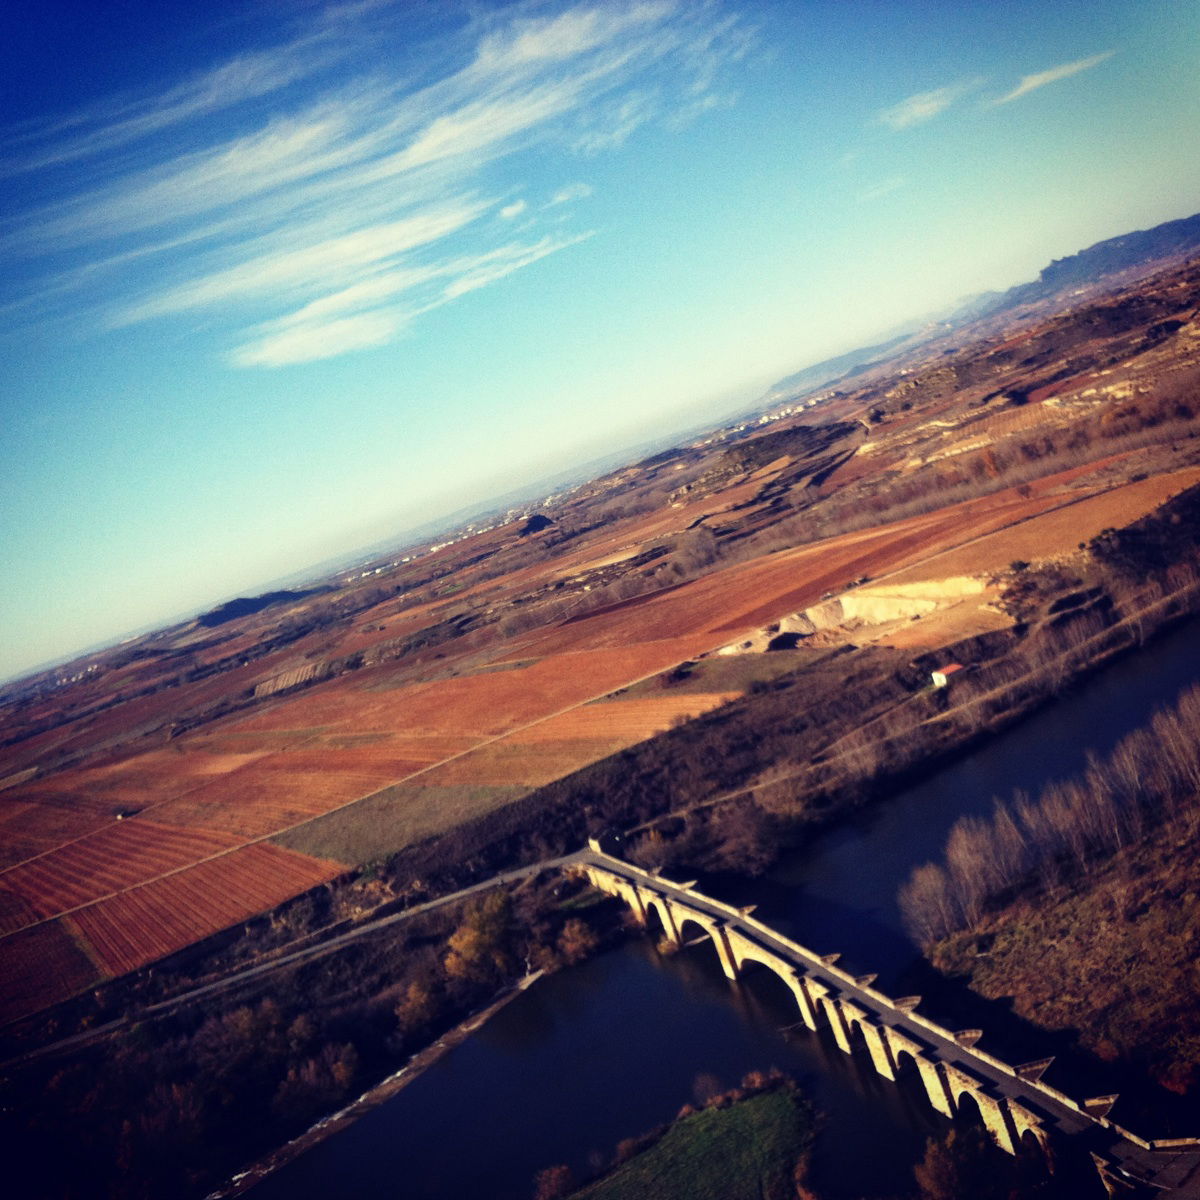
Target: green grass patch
point(391, 819)
point(728, 673)
point(746, 1151)
point(584, 900)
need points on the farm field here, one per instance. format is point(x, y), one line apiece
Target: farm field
point(145, 923)
point(116, 857)
point(623, 720)
point(395, 817)
point(37, 822)
point(438, 752)
point(167, 793)
point(489, 703)
point(1056, 533)
point(42, 965)
point(443, 750)
point(508, 763)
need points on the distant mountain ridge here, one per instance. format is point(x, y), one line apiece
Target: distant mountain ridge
point(830, 369)
point(1142, 247)
point(1172, 239)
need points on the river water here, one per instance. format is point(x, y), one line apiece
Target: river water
point(611, 1048)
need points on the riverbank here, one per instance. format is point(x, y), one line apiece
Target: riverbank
point(370, 1026)
point(1073, 628)
point(1109, 957)
point(606, 1050)
point(371, 1099)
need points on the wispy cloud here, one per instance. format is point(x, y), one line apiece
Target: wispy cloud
point(356, 317)
point(285, 272)
point(501, 262)
point(570, 193)
point(1039, 79)
point(612, 127)
point(106, 127)
point(307, 211)
point(885, 188)
point(924, 106)
point(315, 340)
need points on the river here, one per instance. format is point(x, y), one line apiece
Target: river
point(608, 1049)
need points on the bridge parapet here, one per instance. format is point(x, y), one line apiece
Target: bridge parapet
point(1014, 1102)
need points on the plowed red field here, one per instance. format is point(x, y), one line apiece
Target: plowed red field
point(489, 703)
point(148, 922)
point(116, 857)
point(29, 826)
point(15, 911)
point(626, 721)
point(250, 805)
point(751, 594)
point(1057, 532)
point(41, 966)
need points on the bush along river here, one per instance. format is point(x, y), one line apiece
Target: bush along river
point(611, 1048)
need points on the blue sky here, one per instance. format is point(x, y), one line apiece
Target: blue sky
point(279, 279)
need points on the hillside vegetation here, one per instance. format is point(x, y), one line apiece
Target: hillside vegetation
point(1111, 954)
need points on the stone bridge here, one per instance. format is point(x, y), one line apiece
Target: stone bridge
point(1014, 1102)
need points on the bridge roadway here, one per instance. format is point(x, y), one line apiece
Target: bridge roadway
point(1014, 1102)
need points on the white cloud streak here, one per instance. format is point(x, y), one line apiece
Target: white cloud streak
point(284, 272)
point(320, 339)
point(354, 318)
point(569, 194)
point(884, 188)
point(1031, 83)
point(924, 106)
point(309, 215)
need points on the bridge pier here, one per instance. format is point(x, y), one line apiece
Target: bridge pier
point(935, 1086)
point(928, 1069)
point(641, 902)
point(729, 963)
point(834, 1015)
point(638, 906)
point(670, 925)
point(875, 1036)
point(992, 1109)
point(798, 982)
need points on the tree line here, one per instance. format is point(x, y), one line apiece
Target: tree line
point(1150, 776)
point(170, 1107)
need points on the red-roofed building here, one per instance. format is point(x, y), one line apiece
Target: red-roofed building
point(942, 675)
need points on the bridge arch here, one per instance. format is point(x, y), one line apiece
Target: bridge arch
point(906, 1063)
point(658, 911)
point(692, 926)
point(993, 1113)
point(856, 1034)
point(686, 919)
point(745, 956)
point(966, 1107)
point(787, 974)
